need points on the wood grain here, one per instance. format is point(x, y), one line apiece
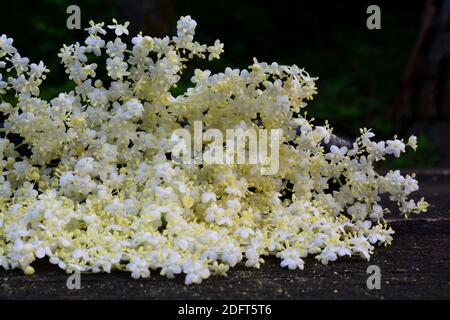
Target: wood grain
point(416, 266)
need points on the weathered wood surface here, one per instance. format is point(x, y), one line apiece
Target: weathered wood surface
point(417, 265)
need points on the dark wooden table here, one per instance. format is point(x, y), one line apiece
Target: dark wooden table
point(417, 265)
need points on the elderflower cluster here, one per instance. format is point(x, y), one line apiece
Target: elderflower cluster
point(93, 188)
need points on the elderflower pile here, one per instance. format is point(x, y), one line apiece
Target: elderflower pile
point(96, 189)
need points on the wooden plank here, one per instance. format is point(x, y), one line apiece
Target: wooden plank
point(416, 266)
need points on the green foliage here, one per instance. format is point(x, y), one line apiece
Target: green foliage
point(359, 69)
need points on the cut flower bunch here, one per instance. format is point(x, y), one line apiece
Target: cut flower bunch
point(97, 189)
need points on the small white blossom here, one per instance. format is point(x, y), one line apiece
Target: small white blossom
point(119, 29)
point(395, 147)
point(291, 259)
point(215, 51)
point(138, 267)
point(117, 68)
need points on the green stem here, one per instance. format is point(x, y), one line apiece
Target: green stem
point(20, 144)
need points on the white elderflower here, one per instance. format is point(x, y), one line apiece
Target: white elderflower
point(231, 254)
point(209, 196)
point(38, 70)
point(138, 267)
point(143, 42)
point(116, 48)
point(291, 259)
point(186, 27)
point(85, 166)
point(215, 51)
point(3, 85)
point(4, 262)
point(395, 147)
point(6, 44)
point(323, 133)
point(244, 233)
point(367, 135)
point(173, 265)
point(94, 44)
point(131, 109)
point(377, 212)
point(337, 153)
point(95, 28)
point(411, 185)
point(358, 211)
point(20, 63)
point(196, 271)
point(362, 246)
point(101, 189)
point(119, 29)
point(412, 142)
point(79, 253)
point(117, 68)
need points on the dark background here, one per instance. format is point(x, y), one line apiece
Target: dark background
point(395, 80)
